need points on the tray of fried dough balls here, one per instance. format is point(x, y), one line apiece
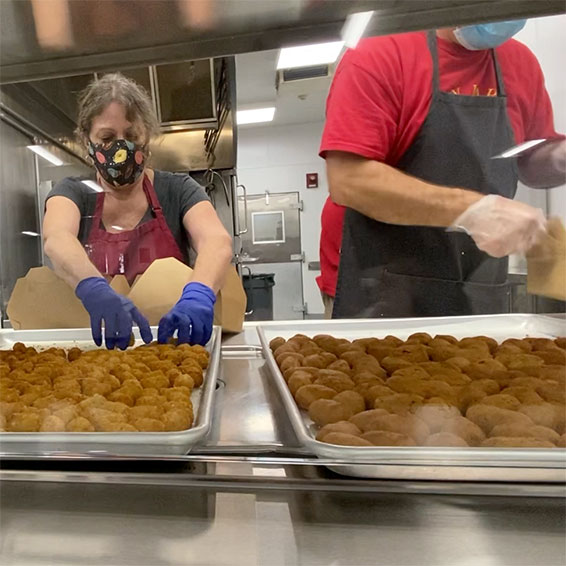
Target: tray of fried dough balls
point(426, 392)
point(59, 393)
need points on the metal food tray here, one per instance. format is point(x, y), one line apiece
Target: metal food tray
point(116, 443)
point(423, 463)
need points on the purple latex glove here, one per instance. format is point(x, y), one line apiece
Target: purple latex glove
point(192, 316)
point(117, 312)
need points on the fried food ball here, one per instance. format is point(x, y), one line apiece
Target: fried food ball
point(155, 380)
point(276, 342)
point(343, 439)
point(371, 391)
point(398, 403)
point(351, 399)
point(553, 393)
point(562, 441)
point(515, 430)
point(368, 363)
point(120, 396)
point(412, 372)
point(24, 422)
point(543, 414)
point(552, 357)
point(345, 427)
point(131, 387)
point(124, 427)
point(144, 412)
point(178, 394)
point(177, 419)
point(80, 424)
point(52, 423)
point(406, 424)
point(297, 381)
point(560, 342)
point(9, 395)
point(524, 394)
point(393, 363)
point(380, 351)
point(309, 393)
point(184, 381)
point(419, 338)
point(340, 365)
point(316, 361)
point(488, 416)
point(412, 353)
point(529, 382)
point(290, 361)
point(458, 363)
point(368, 420)
point(387, 438)
point(485, 369)
point(559, 419)
point(465, 429)
point(337, 382)
point(435, 415)
point(66, 414)
point(515, 442)
point(447, 338)
point(326, 411)
point(441, 353)
point(92, 386)
point(315, 372)
point(148, 425)
point(445, 439)
point(155, 400)
point(474, 393)
point(103, 420)
point(502, 400)
point(195, 372)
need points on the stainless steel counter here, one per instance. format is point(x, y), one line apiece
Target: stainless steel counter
point(249, 509)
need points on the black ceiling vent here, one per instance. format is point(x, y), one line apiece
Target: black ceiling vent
point(305, 73)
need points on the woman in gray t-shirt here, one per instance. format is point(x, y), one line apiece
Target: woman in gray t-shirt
point(129, 217)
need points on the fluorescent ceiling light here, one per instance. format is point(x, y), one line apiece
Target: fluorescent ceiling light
point(94, 186)
point(309, 55)
point(46, 154)
point(29, 233)
point(519, 149)
point(255, 116)
point(354, 28)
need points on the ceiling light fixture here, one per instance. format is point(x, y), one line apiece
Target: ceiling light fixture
point(46, 154)
point(94, 186)
point(354, 28)
point(255, 116)
point(309, 55)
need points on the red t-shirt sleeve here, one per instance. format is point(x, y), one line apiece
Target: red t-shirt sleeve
point(363, 105)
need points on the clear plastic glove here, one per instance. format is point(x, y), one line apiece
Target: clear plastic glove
point(500, 226)
point(117, 312)
point(192, 316)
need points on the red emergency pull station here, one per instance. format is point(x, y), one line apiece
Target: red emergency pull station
point(312, 180)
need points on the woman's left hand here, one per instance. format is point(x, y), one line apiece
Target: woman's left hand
point(192, 316)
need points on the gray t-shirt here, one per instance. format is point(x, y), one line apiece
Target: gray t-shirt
point(176, 193)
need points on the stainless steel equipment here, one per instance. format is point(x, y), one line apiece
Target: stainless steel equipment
point(270, 235)
point(178, 442)
point(96, 36)
point(537, 465)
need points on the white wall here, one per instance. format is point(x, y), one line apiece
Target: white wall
point(277, 159)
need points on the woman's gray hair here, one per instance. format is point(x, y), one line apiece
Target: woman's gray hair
point(115, 87)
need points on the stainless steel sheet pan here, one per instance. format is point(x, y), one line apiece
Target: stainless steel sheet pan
point(119, 443)
point(423, 463)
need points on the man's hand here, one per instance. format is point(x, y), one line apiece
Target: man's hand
point(500, 226)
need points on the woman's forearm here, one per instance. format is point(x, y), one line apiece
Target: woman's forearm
point(69, 258)
point(389, 195)
point(212, 262)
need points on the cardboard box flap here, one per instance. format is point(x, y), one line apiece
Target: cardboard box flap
point(231, 303)
point(43, 300)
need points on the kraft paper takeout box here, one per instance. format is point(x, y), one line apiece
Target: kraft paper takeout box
point(546, 263)
point(42, 300)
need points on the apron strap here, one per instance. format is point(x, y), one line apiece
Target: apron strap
point(431, 40)
point(151, 195)
point(433, 48)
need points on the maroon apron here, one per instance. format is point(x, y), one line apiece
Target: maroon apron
point(131, 252)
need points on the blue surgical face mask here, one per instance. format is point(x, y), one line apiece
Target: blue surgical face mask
point(487, 36)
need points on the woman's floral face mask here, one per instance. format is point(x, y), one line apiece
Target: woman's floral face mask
point(120, 163)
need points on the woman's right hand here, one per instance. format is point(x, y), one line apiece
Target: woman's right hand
point(117, 312)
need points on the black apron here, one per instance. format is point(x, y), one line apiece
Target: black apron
point(388, 270)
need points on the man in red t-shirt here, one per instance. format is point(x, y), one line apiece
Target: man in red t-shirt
point(413, 121)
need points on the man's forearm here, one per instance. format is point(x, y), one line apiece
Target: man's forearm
point(544, 167)
point(389, 195)
point(69, 258)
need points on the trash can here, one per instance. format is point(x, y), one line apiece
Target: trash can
point(259, 292)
